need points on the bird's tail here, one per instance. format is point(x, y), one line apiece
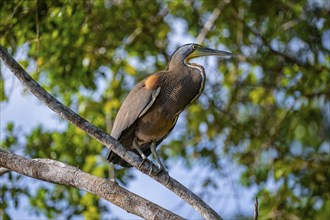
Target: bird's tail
point(113, 158)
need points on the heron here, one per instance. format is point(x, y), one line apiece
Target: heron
point(151, 109)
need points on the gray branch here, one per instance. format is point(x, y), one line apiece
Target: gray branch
point(211, 20)
point(61, 173)
point(256, 214)
point(104, 138)
point(3, 170)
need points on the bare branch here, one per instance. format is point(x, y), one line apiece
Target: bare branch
point(57, 172)
point(104, 138)
point(210, 22)
point(256, 209)
point(3, 170)
point(267, 43)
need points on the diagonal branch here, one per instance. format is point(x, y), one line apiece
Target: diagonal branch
point(104, 138)
point(57, 172)
point(210, 22)
point(256, 214)
point(3, 170)
point(267, 43)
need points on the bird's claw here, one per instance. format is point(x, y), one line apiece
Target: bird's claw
point(160, 169)
point(143, 161)
point(114, 181)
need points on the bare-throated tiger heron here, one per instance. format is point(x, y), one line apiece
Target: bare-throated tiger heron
point(151, 109)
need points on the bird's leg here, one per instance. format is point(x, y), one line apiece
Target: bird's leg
point(161, 167)
point(112, 172)
point(111, 167)
point(136, 147)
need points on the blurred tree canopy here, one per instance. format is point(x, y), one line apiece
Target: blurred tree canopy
point(267, 110)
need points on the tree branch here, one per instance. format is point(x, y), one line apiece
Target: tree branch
point(267, 43)
point(256, 214)
point(3, 170)
point(210, 22)
point(57, 172)
point(104, 138)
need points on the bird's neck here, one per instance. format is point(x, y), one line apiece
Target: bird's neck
point(196, 66)
point(172, 67)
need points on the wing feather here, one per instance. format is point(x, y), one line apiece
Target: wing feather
point(136, 104)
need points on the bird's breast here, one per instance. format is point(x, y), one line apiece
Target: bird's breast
point(176, 93)
point(179, 90)
point(154, 126)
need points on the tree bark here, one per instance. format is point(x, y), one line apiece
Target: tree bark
point(60, 173)
point(104, 138)
point(3, 170)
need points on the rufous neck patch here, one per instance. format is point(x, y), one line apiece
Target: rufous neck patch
point(152, 82)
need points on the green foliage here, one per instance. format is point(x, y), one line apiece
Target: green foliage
point(267, 110)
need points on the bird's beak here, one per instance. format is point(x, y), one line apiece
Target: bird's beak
point(204, 51)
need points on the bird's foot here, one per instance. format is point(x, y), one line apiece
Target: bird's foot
point(143, 161)
point(113, 180)
point(160, 169)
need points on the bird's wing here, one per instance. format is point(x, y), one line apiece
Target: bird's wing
point(135, 105)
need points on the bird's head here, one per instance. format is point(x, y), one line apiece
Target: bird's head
point(185, 53)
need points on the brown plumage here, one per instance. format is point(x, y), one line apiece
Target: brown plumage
point(150, 110)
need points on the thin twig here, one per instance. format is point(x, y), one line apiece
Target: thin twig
point(267, 43)
point(256, 214)
point(197, 203)
point(210, 22)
